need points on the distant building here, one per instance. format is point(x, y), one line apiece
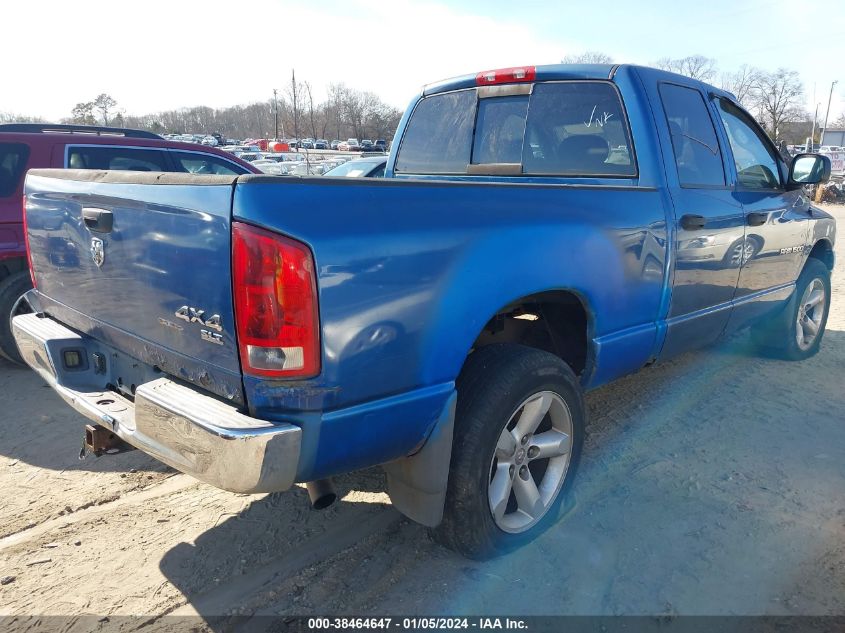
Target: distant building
point(834, 136)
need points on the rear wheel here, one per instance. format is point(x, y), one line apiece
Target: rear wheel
point(12, 303)
point(797, 332)
point(519, 428)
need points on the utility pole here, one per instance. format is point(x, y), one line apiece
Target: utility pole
point(276, 115)
point(827, 114)
point(295, 107)
point(813, 130)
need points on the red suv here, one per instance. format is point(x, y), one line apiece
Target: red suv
point(25, 146)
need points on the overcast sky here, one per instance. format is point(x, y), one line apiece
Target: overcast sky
point(153, 55)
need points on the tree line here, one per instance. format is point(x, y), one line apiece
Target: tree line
point(345, 113)
point(775, 98)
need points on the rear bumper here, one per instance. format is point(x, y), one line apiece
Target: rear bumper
point(179, 425)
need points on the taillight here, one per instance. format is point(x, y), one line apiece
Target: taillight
point(505, 75)
point(26, 242)
point(275, 304)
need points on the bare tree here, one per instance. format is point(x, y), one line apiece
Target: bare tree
point(336, 97)
point(105, 104)
point(346, 113)
point(778, 97)
point(588, 57)
point(9, 117)
point(741, 83)
point(353, 112)
point(310, 109)
point(694, 66)
point(295, 95)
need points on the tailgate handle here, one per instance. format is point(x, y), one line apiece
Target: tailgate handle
point(98, 220)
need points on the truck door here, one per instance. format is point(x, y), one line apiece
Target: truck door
point(709, 222)
point(777, 220)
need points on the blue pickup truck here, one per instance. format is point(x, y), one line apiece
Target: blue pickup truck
point(540, 231)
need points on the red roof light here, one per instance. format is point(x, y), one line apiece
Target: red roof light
point(505, 76)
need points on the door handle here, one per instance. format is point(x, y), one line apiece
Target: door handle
point(98, 220)
point(757, 219)
point(692, 222)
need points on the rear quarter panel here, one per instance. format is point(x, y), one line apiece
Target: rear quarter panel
point(409, 273)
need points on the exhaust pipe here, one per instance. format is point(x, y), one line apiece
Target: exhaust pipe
point(321, 493)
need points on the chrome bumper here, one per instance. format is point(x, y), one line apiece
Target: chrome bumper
point(192, 432)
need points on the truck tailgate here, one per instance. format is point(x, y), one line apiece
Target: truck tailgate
point(145, 268)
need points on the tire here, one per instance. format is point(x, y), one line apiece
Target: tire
point(780, 337)
point(498, 389)
point(11, 290)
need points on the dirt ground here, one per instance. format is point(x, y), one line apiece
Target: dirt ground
point(711, 484)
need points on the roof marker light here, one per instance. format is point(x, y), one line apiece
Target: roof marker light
point(505, 75)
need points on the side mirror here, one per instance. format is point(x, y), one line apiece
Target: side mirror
point(809, 169)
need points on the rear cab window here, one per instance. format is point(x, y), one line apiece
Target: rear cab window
point(438, 138)
point(573, 128)
point(13, 159)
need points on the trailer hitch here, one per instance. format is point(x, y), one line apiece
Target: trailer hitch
point(101, 441)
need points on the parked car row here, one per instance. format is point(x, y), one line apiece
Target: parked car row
point(209, 140)
point(815, 148)
point(295, 164)
point(353, 145)
point(279, 145)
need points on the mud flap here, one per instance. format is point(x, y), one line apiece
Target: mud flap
point(417, 484)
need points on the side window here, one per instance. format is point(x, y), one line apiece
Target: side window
point(13, 157)
point(756, 165)
point(577, 128)
point(378, 172)
point(499, 130)
point(205, 164)
point(123, 158)
point(438, 137)
point(694, 140)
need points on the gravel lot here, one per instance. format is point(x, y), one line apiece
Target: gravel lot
point(712, 484)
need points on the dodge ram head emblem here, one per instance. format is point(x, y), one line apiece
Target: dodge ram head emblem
point(98, 251)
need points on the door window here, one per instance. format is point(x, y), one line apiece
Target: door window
point(694, 140)
point(195, 163)
point(121, 158)
point(13, 158)
point(756, 165)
